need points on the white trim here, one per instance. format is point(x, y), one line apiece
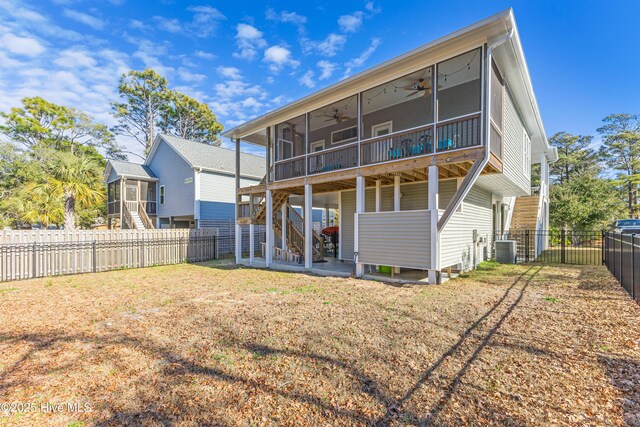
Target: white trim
point(279, 148)
point(316, 143)
point(382, 125)
point(196, 194)
point(344, 141)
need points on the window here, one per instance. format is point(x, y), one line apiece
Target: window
point(290, 138)
point(382, 129)
point(314, 147)
point(162, 194)
point(285, 149)
point(344, 135)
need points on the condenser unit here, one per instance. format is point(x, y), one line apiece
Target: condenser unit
point(506, 251)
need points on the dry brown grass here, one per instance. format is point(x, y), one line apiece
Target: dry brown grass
point(210, 344)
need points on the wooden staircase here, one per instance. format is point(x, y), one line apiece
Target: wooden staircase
point(295, 225)
point(525, 213)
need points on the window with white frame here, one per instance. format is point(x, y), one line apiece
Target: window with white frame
point(162, 194)
point(344, 135)
point(382, 129)
point(316, 146)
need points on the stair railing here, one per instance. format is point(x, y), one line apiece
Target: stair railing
point(142, 211)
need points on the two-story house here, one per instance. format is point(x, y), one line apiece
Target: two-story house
point(423, 156)
point(182, 184)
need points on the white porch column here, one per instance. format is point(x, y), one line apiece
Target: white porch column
point(359, 209)
point(308, 226)
point(396, 205)
point(269, 231)
point(396, 193)
point(379, 195)
point(238, 199)
point(284, 211)
point(435, 237)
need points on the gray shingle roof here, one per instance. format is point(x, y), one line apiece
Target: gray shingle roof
point(216, 158)
point(129, 169)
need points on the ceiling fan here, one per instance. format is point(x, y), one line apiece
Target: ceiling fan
point(338, 116)
point(421, 85)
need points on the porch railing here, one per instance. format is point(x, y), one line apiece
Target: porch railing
point(292, 168)
point(343, 157)
point(398, 145)
point(457, 133)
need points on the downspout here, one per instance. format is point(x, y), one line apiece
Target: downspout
point(479, 165)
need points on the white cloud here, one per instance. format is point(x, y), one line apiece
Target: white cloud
point(288, 17)
point(249, 40)
point(205, 21)
point(252, 103)
point(26, 46)
point(307, 79)
point(190, 77)
point(278, 56)
point(359, 60)
point(76, 57)
point(350, 23)
point(233, 88)
point(166, 24)
point(331, 45)
point(229, 72)
point(372, 8)
point(84, 18)
point(326, 69)
point(204, 55)
point(136, 24)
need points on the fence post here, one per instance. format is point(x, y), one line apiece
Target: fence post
point(563, 246)
point(526, 245)
point(95, 252)
point(34, 259)
point(633, 266)
point(604, 248)
point(142, 251)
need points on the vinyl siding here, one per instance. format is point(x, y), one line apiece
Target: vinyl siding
point(513, 146)
point(217, 195)
point(456, 240)
point(401, 239)
point(172, 170)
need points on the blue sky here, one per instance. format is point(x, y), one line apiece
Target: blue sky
point(245, 58)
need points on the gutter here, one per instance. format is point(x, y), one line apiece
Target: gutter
point(479, 165)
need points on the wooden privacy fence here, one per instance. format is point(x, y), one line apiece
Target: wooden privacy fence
point(26, 254)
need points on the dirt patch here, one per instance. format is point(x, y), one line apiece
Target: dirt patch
point(212, 344)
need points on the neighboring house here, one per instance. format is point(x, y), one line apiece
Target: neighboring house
point(423, 157)
point(182, 184)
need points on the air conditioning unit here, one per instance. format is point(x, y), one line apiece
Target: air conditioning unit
point(506, 251)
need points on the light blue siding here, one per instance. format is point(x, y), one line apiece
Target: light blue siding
point(172, 171)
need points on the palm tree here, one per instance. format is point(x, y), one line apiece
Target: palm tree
point(34, 204)
point(74, 180)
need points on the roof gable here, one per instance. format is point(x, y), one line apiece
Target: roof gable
point(129, 170)
point(210, 157)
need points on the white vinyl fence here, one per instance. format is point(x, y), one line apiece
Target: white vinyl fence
point(28, 254)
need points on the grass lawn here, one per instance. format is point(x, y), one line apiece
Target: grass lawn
point(209, 344)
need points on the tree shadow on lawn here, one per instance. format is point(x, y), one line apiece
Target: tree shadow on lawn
point(178, 371)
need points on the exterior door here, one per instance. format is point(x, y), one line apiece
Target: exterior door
point(131, 197)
